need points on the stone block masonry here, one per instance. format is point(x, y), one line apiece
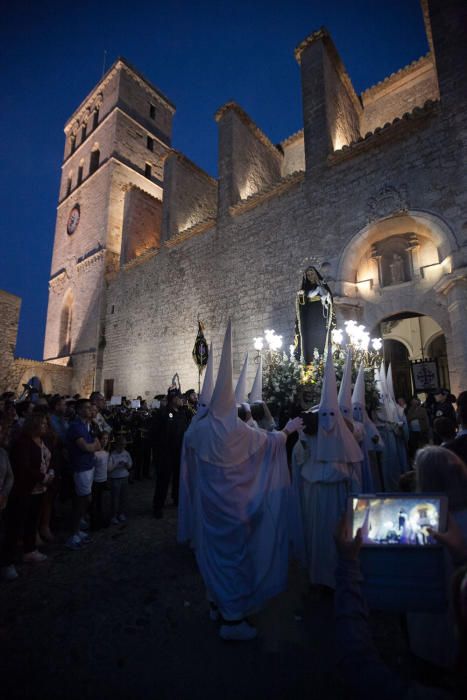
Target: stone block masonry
point(14, 372)
point(364, 170)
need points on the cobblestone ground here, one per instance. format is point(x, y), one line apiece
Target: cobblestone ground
point(126, 617)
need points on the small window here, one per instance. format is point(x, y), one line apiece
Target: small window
point(112, 309)
point(94, 161)
point(95, 119)
point(152, 111)
point(80, 175)
point(148, 170)
point(83, 133)
point(73, 143)
point(150, 143)
point(68, 186)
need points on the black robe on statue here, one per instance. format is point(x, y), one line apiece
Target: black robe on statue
point(314, 316)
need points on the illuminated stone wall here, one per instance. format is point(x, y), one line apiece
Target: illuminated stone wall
point(326, 196)
point(14, 372)
point(10, 306)
point(400, 93)
point(190, 195)
point(142, 224)
point(248, 264)
point(132, 131)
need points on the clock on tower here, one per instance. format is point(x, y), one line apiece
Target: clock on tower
point(73, 220)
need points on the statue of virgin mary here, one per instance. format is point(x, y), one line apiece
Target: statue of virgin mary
point(314, 316)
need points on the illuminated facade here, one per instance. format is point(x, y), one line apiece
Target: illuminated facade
point(372, 191)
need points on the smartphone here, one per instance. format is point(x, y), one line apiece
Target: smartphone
point(397, 519)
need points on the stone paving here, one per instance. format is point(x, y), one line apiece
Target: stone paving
point(126, 618)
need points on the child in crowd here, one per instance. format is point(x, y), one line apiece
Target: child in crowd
point(120, 465)
point(99, 485)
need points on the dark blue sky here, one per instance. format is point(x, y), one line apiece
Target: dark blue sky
point(200, 54)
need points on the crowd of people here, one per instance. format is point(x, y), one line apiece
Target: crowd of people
point(77, 449)
point(250, 493)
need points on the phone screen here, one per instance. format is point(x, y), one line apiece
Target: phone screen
point(396, 520)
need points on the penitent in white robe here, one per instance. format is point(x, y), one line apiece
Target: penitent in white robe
point(242, 535)
point(323, 489)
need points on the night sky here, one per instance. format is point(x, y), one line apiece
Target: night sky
point(200, 54)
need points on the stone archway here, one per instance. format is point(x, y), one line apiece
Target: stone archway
point(413, 221)
point(428, 286)
point(407, 341)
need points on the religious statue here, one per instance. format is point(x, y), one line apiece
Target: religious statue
point(397, 269)
point(314, 316)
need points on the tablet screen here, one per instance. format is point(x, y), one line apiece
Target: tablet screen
point(396, 520)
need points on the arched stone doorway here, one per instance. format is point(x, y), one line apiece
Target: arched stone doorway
point(412, 341)
point(407, 264)
point(397, 355)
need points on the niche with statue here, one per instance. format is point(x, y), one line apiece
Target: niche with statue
point(394, 258)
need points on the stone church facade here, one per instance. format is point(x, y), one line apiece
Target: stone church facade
point(373, 191)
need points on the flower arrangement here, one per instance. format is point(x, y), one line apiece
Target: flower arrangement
point(286, 381)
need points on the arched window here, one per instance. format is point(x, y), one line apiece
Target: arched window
point(66, 320)
point(94, 161)
point(80, 173)
point(69, 183)
point(95, 118)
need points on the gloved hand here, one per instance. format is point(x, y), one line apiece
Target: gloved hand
point(293, 424)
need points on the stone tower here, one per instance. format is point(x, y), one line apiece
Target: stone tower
point(109, 211)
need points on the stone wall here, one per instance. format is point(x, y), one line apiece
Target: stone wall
point(190, 195)
point(136, 96)
point(294, 154)
point(348, 191)
point(249, 265)
point(142, 223)
point(400, 93)
point(130, 146)
point(14, 372)
point(77, 291)
point(55, 379)
point(10, 306)
point(248, 162)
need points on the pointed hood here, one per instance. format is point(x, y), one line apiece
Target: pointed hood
point(256, 393)
point(221, 438)
point(345, 389)
point(335, 441)
point(222, 404)
point(380, 379)
point(208, 383)
point(240, 389)
point(396, 410)
point(390, 384)
point(204, 398)
point(358, 396)
point(360, 413)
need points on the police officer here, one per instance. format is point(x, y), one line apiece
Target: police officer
point(172, 423)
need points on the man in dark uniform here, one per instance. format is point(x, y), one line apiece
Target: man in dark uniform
point(443, 408)
point(191, 404)
point(171, 425)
